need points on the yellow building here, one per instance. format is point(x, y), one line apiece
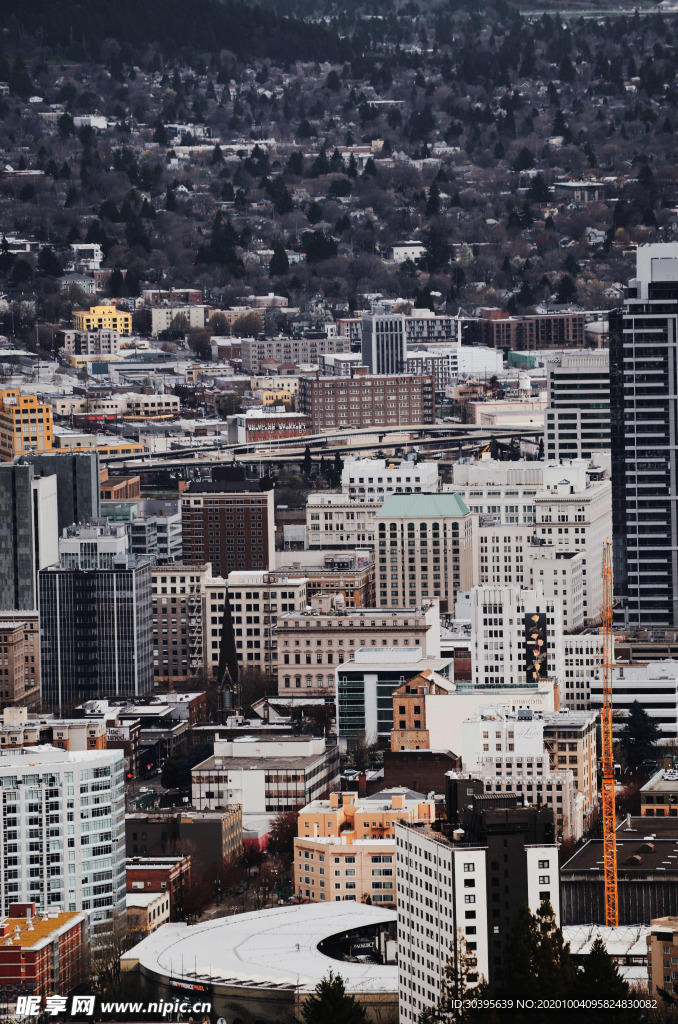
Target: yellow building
point(25, 425)
point(106, 318)
point(345, 848)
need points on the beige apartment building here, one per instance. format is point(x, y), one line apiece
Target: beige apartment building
point(256, 600)
point(345, 849)
point(662, 955)
point(425, 549)
point(19, 658)
point(312, 643)
point(570, 741)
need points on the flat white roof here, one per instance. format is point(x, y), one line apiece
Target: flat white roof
point(275, 948)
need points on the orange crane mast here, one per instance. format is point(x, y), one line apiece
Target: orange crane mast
point(609, 821)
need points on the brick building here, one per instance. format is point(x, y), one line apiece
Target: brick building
point(367, 401)
point(31, 948)
point(497, 329)
point(233, 527)
point(161, 874)
point(341, 574)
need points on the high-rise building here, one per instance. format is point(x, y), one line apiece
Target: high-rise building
point(644, 424)
point(257, 600)
point(28, 533)
point(473, 887)
point(179, 620)
point(96, 619)
point(426, 549)
point(577, 420)
point(228, 522)
point(384, 341)
point(516, 637)
point(77, 483)
point(25, 425)
point(63, 831)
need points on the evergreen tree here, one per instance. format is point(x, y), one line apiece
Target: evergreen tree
point(460, 983)
point(639, 737)
point(538, 961)
point(524, 161)
point(332, 1004)
point(433, 200)
point(539, 190)
point(280, 263)
point(600, 979)
point(307, 464)
point(48, 264)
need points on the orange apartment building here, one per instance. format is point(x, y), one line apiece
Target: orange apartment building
point(30, 946)
point(345, 847)
point(25, 425)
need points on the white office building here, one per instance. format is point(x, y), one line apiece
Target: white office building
point(569, 506)
point(337, 521)
point(63, 831)
point(371, 480)
point(517, 637)
point(446, 892)
point(654, 685)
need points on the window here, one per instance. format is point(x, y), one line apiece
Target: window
point(470, 898)
point(543, 863)
point(471, 867)
point(544, 879)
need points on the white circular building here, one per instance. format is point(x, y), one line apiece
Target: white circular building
point(261, 966)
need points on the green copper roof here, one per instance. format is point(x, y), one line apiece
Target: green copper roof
point(427, 505)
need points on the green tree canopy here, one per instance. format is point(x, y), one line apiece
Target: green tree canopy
point(332, 1004)
point(639, 737)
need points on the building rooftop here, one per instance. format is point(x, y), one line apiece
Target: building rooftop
point(640, 854)
point(426, 505)
point(142, 899)
point(40, 930)
point(275, 949)
point(662, 782)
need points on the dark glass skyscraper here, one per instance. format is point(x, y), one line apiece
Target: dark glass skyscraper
point(95, 626)
point(644, 436)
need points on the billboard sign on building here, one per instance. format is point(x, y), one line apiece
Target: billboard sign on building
point(536, 661)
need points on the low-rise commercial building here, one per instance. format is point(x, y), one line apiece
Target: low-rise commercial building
point(146, 911)
point(265, 776)
point(106, 318)
point(210, 838)
point(170, 875)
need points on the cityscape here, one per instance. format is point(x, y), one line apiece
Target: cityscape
point(338, 512)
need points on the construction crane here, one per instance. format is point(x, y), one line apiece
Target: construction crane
point(609, 822)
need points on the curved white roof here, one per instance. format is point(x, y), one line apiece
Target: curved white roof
point(266, 949)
